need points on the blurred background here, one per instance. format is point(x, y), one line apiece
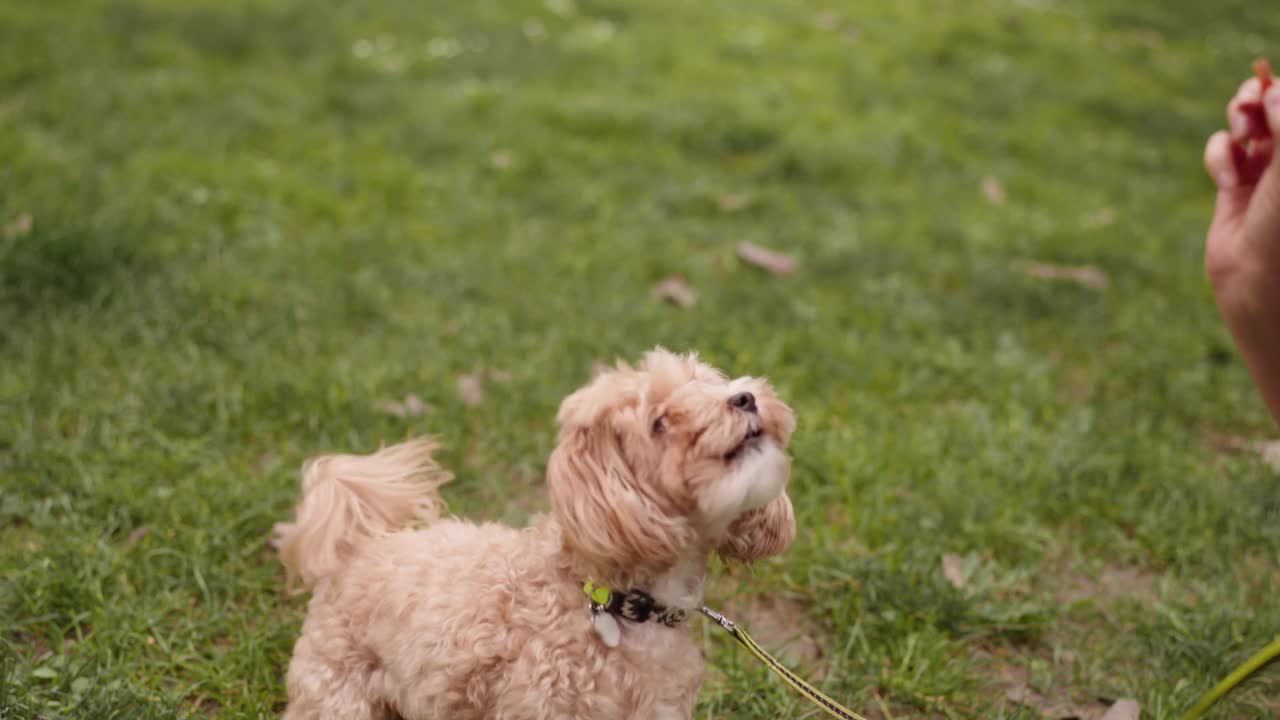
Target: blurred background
point(964, 240)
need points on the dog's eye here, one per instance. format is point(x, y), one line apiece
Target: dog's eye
point(659, 425)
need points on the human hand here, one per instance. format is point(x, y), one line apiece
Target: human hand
point(1242, 251)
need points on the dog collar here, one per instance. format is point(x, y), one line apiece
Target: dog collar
point(634, 605)
point(639, 606)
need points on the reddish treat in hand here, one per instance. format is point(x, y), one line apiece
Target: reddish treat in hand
point(1250, 161)
point(1252, 109)
point(1262, 69)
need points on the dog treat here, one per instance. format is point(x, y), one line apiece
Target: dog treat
point(1253, 108)
point(1262, 70)
point(1242, 149)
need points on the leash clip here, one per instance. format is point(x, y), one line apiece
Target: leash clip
point(723, 621)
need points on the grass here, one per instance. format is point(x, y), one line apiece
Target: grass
point(254, 223)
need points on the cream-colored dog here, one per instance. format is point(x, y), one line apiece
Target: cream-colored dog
point(656, 467)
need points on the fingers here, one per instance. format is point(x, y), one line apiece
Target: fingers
point(1222, 157)
point(1250, 91)
point(1220, 162)
point(1234, 166)
point(1241, 159)
point(1244, 163)
point(1245, 116)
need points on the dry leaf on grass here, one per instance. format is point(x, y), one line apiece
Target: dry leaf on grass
point(411, 406)
point(1232, 443)
point(993, 190)
point(534, 29)
point(1123, 709)
point(675, 289)
point(954, 571)
point(1129, 582)
point(20, 226)
point(501, 159)
point(471, 388)
point(136, 535)
point(12, 106)
point(1114, 582)
point(391, 407)
point(766, 259)
point(1268, 450)
point(1087, 275)
point(266, 462)
point(1089, 711)
point(733, 202)
point(1047, 707)
point(563, 8)
point(1270, 453)
point(1099, 219)
point(1139, 37)
point(1013, 675)
point(1022, 694)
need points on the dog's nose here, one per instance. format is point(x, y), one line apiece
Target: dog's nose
point(743, 401)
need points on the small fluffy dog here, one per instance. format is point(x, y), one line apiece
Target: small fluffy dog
point(655, 468)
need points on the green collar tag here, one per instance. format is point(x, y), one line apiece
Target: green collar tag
point(598, 594)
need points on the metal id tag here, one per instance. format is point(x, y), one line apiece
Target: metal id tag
point(606, 626)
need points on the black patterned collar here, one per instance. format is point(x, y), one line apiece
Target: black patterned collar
point(634, 605)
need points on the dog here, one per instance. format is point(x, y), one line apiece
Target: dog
point(582, 615)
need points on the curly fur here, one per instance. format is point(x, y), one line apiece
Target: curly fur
point(654, 470)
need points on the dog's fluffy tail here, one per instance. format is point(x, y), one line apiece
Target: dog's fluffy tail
point(347, 498)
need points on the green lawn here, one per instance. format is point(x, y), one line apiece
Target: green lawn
point(232, 232)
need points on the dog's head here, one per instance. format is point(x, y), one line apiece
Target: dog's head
point(670, 458)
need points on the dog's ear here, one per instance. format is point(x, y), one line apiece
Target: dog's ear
point(604, 511)
point(761, 532)
point(601, 486)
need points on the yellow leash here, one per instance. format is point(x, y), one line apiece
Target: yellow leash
point(639, 607)
point(1262, 657)
point(813, 694)
point(607, 604)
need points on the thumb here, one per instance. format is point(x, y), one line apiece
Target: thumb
point(1219, 162)
point(1220, 156)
